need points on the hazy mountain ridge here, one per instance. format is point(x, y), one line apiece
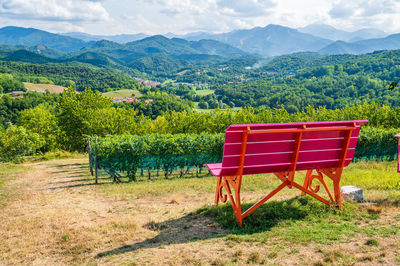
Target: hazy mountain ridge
point(120, 38)
point(361, 47)
point(331, 33)
point(152, 53)
point(192, 48)
point(30, 37)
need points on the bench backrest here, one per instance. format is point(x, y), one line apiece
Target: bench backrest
point(284, 147)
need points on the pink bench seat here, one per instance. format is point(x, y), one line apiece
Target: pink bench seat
point(282, 149)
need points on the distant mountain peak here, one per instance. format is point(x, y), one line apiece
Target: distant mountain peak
point(12, 35)
point(105, 43)
point(331, 33)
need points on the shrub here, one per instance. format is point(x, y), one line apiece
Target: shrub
point(17, 141)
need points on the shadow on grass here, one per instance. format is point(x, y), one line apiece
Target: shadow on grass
point(78, 185)
point(217, 221)
point(80, 180)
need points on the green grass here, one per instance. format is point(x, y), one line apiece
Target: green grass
point(372, 175)
point(204, 92)
point(169, 81)
point(298, 220)
point(125, 93)
point(55, 155)
point(375, 176)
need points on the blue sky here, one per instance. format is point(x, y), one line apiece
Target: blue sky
point(107, 17)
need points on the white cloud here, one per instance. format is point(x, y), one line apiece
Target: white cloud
point(356, 14)
point(182, 16)
point(54, 10)
point(245, 8)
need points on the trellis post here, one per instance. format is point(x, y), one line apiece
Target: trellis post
point(90, 157)
point(95, 161)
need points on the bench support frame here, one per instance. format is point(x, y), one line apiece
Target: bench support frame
point(232, 184)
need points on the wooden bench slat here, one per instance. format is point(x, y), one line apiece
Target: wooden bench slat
point(275, 158)
point(282, 167)
point(236, 137)
point(295, 125)
point(274, 148)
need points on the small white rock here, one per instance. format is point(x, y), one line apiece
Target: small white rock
point(351, 193)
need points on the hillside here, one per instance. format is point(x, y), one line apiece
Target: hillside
point(120, 38)
point(31, 37)
point(364, 46)
point(331, 33)
point(333, 81)
point(77, 75)
point(271, 40)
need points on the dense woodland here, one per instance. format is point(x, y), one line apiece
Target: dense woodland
point(77, 75)
point(298, 87)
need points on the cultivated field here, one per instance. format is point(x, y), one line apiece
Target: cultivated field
point(126, 93)
point(52, 213)
point(204, 92)
point(44, 87)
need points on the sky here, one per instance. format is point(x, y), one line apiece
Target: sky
point(106, 17)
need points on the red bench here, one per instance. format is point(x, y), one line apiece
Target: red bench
point(283, 149)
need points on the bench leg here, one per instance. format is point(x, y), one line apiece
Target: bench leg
point(335, 174)
point(336, 190)
point(307, 181)
point(217, 191)
point(231, 184)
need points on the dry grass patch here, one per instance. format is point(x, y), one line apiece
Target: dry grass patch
point(43, 87)
point(56, 215)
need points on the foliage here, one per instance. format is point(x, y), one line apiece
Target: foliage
point(8, 84)
point(154, 104)
point(154, 152)
point(17, 141)
point(41, 121)
point(375, 143)
point(331, 81)
point(79, 76)
point(167, 152)
point(89, 113)
point(10, 107)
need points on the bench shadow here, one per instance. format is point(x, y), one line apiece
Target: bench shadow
point(211, 222)
point(79, 180)
point(189, 228)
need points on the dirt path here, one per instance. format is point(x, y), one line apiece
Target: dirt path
point(56, 216)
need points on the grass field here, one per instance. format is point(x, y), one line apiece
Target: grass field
point(204, 92)
point(44, 87)
point(53, 213)
point(126, 93)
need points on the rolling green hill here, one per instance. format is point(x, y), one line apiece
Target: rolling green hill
point(30, 37)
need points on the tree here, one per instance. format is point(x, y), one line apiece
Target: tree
point(203, 104)
point(42, 122)
point(17, 141)
point(75, 114)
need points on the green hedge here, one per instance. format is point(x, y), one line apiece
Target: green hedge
point(155, 152)
point(167, 152)
point(376, 143)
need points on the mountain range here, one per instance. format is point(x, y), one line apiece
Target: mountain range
point(197, 47)
point(145, 55)
point(331, 33)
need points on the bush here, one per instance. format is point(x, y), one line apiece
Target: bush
point(17, 141)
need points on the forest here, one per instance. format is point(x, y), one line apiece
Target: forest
point(298, 87)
